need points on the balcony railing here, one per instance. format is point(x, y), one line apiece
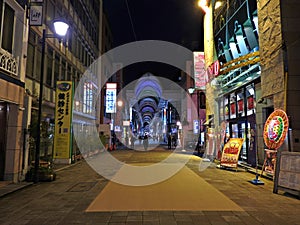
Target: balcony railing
point(8, 63)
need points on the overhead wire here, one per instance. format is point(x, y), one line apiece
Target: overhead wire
point(131, 21)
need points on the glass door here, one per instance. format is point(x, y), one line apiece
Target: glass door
point(239, 129)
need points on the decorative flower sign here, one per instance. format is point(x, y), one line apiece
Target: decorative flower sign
point(275, 129)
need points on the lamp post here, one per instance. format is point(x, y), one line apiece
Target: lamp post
point(61, 29)
point(191, 91)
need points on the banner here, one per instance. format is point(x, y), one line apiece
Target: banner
point(63, 120)
point(231, 151)
point(200, 73)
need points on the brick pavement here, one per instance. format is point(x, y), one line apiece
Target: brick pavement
point(65, 200)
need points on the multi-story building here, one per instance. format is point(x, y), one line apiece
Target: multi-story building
point(65, 60)
point(255, 44)
point(88, 37)
point(13, 113)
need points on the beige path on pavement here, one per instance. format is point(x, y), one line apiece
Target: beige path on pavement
point(183, 191)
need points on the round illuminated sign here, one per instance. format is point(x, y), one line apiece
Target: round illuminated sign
point(275, 129)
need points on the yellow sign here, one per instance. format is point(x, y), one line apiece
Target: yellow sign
point(231, 151)
point(63, 119)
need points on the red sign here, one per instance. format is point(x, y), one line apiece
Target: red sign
point(250, 102)
point(232, 108)
point(214, 70)
point(240, 105)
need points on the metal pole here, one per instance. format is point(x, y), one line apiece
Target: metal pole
point(38, 138)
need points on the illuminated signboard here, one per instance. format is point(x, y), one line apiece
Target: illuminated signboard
point(200, 73)
point(111, 97)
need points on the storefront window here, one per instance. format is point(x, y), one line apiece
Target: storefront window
point(240, 104)
point(226, 108)
point(221, 107)
point(232, 106)
point(250, 100)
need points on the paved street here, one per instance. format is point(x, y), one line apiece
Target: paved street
point(66, 200)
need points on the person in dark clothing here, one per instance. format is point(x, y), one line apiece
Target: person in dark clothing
point(169, 141)
point(145, 142)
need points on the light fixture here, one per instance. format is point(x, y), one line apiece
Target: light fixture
point(191, 90)
point(203, 5)
point(120, 103)
point(218, 4)
point(61, 28)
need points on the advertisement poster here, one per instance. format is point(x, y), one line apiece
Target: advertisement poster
point(231, 152)
point(200, 73)
point(63, 119)
point(275, 131)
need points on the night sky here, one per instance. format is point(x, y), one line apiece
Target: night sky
point(177, 21)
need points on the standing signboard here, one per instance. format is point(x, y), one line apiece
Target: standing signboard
point(275, 131)
point(231, 151)
point(63, 121)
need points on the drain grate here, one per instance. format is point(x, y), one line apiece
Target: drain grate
point(82, 187)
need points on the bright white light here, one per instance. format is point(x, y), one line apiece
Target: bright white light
point(218, 4)
point(191, 90)
point(120, 103)
point(61, 28)
point(203, 5)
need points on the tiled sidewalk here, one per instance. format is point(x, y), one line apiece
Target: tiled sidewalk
point(64, 201)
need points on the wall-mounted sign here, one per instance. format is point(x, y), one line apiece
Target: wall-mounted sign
point(111, 97)
point(200, 73)
point(196, 126)
point(36, 15)
point(214, 69)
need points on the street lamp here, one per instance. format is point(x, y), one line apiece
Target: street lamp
point(61, 29)
point(191, 91)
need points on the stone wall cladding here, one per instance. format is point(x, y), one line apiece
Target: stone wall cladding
point(270, 41)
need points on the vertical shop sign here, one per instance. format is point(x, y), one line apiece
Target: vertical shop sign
point(196, 126)
point(200, 73)
point(63, 118)
point(111, 97)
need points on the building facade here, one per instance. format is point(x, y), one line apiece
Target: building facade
point(66, 59)
point(13, 113)
point(255, 44)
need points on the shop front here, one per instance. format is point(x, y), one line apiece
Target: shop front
point(237, 110)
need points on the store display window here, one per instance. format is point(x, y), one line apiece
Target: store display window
point(221, 109)
point(240, 104)
point(226, 108)
point(250, 100)
point(232, 106)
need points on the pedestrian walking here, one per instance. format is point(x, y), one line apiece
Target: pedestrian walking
point(169, 141)
point(145, 142)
